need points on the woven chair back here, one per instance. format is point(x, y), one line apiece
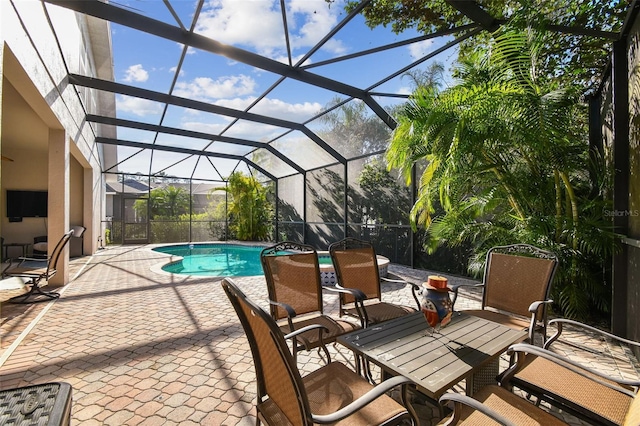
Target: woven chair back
point(513, 282)
point(293, 278)
point(276, 372)
point(356, 266)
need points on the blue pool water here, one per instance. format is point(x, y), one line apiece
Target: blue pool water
point(214, 260)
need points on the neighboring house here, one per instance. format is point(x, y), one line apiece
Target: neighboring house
point(202, 195)
point(46, 144)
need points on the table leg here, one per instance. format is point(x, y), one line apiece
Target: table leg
point(486, 375)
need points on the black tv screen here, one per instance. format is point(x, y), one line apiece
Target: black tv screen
point(26, 203)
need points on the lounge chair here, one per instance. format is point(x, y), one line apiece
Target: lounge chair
point(356, 266)
point(516, 285)
point(36, 269)
point(293, 280)
point(593, 395)
point(331, 394)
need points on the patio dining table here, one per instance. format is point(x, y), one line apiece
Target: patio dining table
point(467, 348)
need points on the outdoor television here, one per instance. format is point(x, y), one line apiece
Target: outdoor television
point(26, 203)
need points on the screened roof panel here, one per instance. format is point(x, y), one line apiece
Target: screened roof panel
point(229, 148)
point(223, 85)
point(144, 67)
point(206, 170)
point(255, 26)
point(138, 109)
point(252, 131)
point(152, 10)
point(221, 81)
point(135, 135)
point(293, 101)
point(197, 121)
point(379, 64)
point(181, 141)
point(352, 130)
point(303, 151)
point(271, 163)
point(173, 164)
point(133, 160)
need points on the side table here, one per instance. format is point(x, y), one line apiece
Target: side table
point(5, 249)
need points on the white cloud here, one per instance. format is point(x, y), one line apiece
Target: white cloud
point(420, 49)
point(293, 112)
point(254, 23)
point(276, 108)
point(245, 130)
point(405, 90)
point(318, 19)
point(199, 126)
point(258, 24)
point(136, 73)
point(205, 88)
point(173, 69)
point(137, 106)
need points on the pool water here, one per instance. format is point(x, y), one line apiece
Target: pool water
point(217, 260)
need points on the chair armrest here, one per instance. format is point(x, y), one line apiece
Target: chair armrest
point(364, 400)
point(534, 308)
point(293, 334)
point(522, 349)
point(291, 313)
point(456, 288)
point(560, 321)
point(391, 280)
point(356, 293)
point(359, 297)
point(415, 288)
point(459, 400)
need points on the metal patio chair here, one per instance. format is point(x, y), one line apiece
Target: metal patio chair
point(356, 267)
point(516, 286)
point(331, 394)
point(36, 269)
point(294, 285)
point(594, 395)
point(493, 405)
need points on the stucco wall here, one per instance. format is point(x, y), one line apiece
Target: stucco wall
point(40, 44)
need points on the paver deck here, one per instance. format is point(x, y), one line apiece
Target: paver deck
point(142, 347)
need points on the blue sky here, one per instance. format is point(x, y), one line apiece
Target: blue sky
point(254, 25)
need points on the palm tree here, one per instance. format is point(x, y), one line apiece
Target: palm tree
point(249, 210)
point(508, 160)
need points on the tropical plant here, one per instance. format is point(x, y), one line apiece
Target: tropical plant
point(508, 160)
point(250, 212)
point(167, 202)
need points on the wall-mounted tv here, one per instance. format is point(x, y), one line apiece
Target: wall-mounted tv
point(26, 203)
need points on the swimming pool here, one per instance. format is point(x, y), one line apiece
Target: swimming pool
point(214, 260)
point(237, 260)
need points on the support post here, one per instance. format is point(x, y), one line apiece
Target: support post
point(620, 88)
point(58, 200)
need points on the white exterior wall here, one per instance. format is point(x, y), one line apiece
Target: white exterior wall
point(33, 64)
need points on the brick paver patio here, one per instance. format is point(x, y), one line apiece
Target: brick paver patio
point(142, 347)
